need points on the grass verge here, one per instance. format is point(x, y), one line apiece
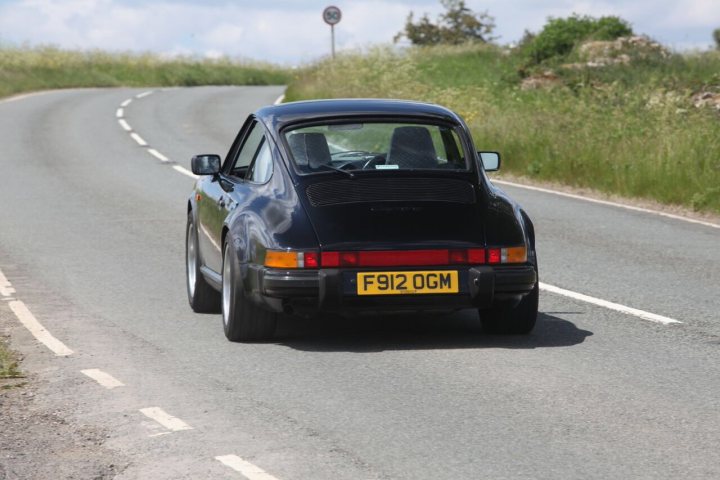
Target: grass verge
point(24, 69)
point(628, 129)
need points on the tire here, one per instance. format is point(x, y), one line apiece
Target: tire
point(516, 319)
point(202, 297)
point(243, 321)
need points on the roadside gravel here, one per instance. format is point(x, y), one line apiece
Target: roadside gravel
point(39, 438)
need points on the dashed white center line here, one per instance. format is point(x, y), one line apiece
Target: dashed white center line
point(184, 171)
point(247, 469)
point(144, 94)
point(158, 155)
point(119, 113)
point(6, 288)
point(104, 379)
point(124, 125)
point(652, 317)
point(163, 418)
point(38, 331)
point(138, 139)
point(126, 102)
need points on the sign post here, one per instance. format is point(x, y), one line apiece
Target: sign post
point(332, 16)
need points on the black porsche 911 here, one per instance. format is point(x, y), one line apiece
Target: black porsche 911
point(356, 207)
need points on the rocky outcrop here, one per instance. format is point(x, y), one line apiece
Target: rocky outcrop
point(622, 51)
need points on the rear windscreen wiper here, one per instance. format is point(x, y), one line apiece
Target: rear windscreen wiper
point(337, 169)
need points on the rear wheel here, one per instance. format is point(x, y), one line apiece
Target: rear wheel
point(243, 321)
point(514, 319)
point(202, 297)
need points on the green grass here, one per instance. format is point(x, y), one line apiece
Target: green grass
point(24, 69)
point(8, 363)
point(630, 130)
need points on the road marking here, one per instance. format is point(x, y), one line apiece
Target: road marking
point(126, 102)
point(279, 99)
point(168, 421)
point(104, 379)
point(22, 96)
point(608, 203)
point(38, 331)
point(119, 113)
point(6, 288)
point(138, 139)
point(158, 155)
point(247, 469)
point(144, 94)
point(124, 125)
point(652, 317)
point(184, 171)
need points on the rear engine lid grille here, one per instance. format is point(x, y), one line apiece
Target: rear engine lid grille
point(366, 190)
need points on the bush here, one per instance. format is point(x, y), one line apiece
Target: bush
point(560, 35)
point(716, 37)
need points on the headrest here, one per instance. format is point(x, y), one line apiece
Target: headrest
point(310, 149)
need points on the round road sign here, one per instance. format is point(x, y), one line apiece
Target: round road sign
point(332, 15)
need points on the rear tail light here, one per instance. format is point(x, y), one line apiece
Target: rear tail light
point(281, 259)
point(395, 258)
point(507, 255)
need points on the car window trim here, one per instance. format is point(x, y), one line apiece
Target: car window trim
point(251, 167)
point(237, 144)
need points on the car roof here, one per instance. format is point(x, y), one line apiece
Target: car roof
point(276, 117)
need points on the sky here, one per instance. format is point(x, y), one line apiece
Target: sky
point(292, 32)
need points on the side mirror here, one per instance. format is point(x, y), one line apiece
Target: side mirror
point(490, 161)
point(205, 164)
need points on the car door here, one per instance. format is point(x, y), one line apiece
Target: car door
point(218, 194)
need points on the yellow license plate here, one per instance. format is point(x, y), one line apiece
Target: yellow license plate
point(407, 283)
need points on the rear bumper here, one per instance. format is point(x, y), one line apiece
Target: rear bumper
point(334, 290)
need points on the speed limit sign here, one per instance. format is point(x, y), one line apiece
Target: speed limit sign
point(332, 15)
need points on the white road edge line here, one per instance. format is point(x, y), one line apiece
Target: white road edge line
point(124, 125)
point(126, 102)
point(119, 113)
point(652, 317)
point(247, 469)
point(279, 99)
point(104, 379)
point(144, 94)
point(23, 96)
point(138, 139)
point(26, 317)
point(184, 171)
point(158, 155)
point(608, 203)
point(164, 419)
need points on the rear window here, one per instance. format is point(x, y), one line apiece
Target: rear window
point(375, 146)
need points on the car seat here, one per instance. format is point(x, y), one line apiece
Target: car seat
point(412, 147)
point(310, 149)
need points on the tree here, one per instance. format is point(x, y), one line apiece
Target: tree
point(716, 37)
point(457, 25)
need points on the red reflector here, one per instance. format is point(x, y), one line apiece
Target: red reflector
point(476, 256)
point(330, 259)
point(311, 260)
point(348, 259)
point(458, 257)
point(494, 255)
point(402, 258)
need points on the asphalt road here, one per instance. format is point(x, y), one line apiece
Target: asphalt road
point(92, 239)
